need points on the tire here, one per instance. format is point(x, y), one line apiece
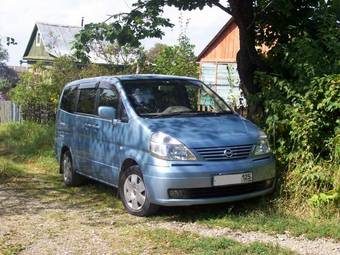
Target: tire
point(70, 177)
point(133, 193)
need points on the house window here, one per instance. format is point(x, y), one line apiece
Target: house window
point(38, 39)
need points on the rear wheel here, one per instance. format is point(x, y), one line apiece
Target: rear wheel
point(134, 194)
point(71, 178)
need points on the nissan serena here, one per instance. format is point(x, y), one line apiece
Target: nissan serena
point(162, 141)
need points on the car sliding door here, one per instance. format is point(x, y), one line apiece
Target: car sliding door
point(86, 129)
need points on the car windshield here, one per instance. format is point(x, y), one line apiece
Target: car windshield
point(171, 97)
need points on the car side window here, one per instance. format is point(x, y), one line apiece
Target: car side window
point(86, 102)
point(68, 101)
point(108, 97)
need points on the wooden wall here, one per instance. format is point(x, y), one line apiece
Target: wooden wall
point(225, 48)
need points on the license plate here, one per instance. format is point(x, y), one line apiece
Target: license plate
point(228, 179)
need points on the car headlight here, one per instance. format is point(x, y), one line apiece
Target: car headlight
point(262, 146)
point(166, 147)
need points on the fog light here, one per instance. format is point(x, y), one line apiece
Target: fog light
point(176, 193)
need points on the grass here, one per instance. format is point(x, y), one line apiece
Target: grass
point(27, 161)
point(189, 243)
point(255, 215)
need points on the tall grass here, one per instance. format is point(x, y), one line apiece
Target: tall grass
point(27, 139)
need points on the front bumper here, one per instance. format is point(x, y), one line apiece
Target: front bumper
point(199, 175)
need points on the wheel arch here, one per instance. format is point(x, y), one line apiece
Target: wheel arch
point(62, 151)
point(125, 165)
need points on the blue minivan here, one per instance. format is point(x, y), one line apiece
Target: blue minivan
point(162, 141)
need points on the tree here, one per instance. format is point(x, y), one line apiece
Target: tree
point(154, 52)
point(3, 53)
point(145, 20)
point(300, 93)
point(100, 42)
point(8, 77)
point(177, 60)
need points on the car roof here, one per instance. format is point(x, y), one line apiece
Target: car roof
point(130, 77)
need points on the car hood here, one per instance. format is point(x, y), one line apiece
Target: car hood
point(197, 132)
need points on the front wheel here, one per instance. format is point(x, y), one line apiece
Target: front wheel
point(134, 194)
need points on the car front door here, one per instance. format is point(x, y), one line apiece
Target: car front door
point(86, 128)
point(106, 147)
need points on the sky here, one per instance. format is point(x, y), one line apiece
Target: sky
point(17, 19)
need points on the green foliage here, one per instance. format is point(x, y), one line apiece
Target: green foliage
point(36, 94)
point(154, 52)
point(3, 53)
point(27, 139)
point(177, 60)
point(301, 96)
point(4, 85)
point(38, 91)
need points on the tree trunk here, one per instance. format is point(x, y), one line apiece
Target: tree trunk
point(248, 59)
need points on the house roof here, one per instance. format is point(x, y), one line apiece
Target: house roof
point(57, 39)
point(216, 37)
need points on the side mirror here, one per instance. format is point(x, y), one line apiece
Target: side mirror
point(107, 112)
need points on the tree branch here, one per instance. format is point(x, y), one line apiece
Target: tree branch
point(222, 7)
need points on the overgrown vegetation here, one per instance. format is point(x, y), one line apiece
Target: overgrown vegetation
point(27, 139)
point(300, 93)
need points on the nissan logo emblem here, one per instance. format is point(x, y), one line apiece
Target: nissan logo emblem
point(228, 153)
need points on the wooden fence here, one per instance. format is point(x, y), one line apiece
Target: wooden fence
point(9, 112)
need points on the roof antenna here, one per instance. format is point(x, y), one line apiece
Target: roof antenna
point(82, 21)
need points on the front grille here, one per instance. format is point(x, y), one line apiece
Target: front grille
point(221, 191)
point(225, 153)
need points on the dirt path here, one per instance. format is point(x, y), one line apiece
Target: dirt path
point(31, 225)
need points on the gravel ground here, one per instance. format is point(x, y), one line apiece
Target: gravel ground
point(300, 245)
point(29, 225)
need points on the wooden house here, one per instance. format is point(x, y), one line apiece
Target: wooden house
point(49, 41)
point(217, 63)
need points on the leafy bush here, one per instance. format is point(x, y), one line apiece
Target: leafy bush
point(301, 98)
point(36, 94)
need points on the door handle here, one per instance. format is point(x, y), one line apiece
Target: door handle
point(93, 126)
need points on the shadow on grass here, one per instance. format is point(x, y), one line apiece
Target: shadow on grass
point(31, 193)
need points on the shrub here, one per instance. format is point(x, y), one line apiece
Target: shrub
point(36, 94)
point(302, 103)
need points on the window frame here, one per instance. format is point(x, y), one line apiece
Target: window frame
point(87, 85)
point(112, 86)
